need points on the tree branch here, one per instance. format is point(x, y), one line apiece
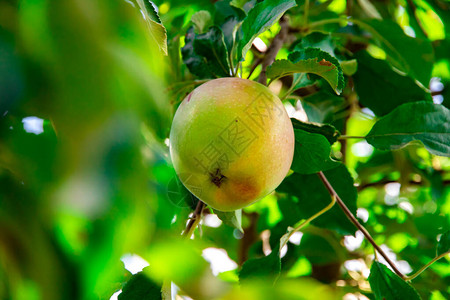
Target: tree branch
point(194, 220)
point(352, 218)
point(272, 52)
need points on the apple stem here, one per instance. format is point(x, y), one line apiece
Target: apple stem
point(352, 218)
point(194, 220)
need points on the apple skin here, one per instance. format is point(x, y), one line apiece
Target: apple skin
point(231, 142)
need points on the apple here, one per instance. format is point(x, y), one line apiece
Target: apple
point(231, 142)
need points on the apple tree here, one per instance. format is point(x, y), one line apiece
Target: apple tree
point(94, 205)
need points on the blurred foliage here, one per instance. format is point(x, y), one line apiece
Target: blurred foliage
point(89, 179)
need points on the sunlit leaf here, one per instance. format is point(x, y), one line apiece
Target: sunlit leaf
point(258, 20)
point(156, 28)
point(417, 121)
point(311, 60)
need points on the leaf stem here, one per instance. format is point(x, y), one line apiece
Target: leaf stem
point(194, 220)
point(291, 88)
point(409, 278)
point(344, 137)
point(309, 220)
point(306, 12)
point(352, 218)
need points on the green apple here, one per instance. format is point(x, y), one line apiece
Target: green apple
point(231, 142)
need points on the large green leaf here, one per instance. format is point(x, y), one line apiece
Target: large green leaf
point(259, 19)
point(140, 287)
point(380, 88)
point(310, 60)
point(417, 121)
point(157, 30)
point(413, 56)
point(388, 286)
point(311, 153)
point(307, 195)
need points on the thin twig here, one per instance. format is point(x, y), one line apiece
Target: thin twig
point(344, 137)
point(275, 46)
point(352, 218)
point(310, 219)
point(384, 182)
point(409, 278)
point(194, 220)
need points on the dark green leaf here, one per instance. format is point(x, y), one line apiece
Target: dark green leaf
point(388, 286)
point(212, 47)
point(307, 195)
point(310, 60)
point(444, 244)
point(380, 88)
point(267, 266)
point(195, 63)
point(417, 121)
point(398, 47)
point(258, 20)
point(326, 130)
point(233, 218)
point(316, 39)
point(140, 287)
point(311, 153)
point(205, 54)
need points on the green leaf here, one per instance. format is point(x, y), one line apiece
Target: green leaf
point(232, 219)
point(324, 42)
point(327, 130)
point(311, 153)
point(418, 121)
point(310, 60)
point(206, 54)
point(195, 63)
point(267, 266)
point(388, 286)
point(324, 107)
point(259, 19)
point(349, 67)
point(156, 29)
point(140, 287)
point(211, 46)
point(397, 45)
point(202, 21)
point(380, 88)
point(307, 195)
point(444, 244)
